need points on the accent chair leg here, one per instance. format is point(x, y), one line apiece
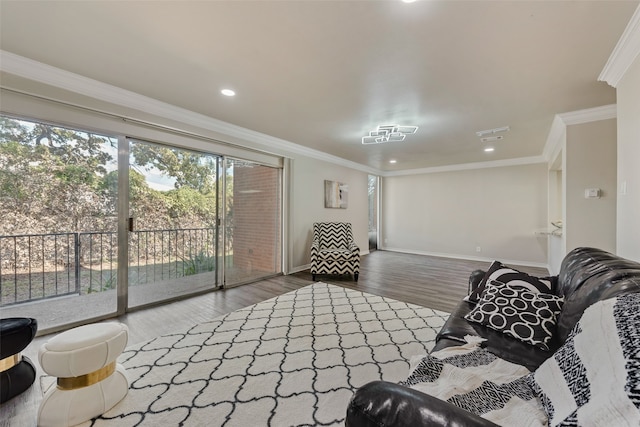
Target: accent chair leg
point(313, 277)
point(355, 276)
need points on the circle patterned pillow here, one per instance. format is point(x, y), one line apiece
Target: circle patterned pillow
point(512, 277)
point(517, 312)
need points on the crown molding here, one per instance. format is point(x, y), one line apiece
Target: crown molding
point(626, 51)
point(552, 146)
point(56, 77)
point(556, 135)
point(588, 115)
point(560, 122)
point(469, 166)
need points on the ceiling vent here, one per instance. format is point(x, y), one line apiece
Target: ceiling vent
point(482, 133)
point(491, 138)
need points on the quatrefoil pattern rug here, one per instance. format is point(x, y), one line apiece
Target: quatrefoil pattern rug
point(294, 360)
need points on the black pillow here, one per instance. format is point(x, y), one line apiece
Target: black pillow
point(511, 277)
point(515, 311)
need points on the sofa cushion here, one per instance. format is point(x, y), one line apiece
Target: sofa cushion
point(501, 273)
point(594, 378)
point(335, 254)
point(518, 312)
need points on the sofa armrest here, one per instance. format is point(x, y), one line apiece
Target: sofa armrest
point(474, 280)
point(381, 403)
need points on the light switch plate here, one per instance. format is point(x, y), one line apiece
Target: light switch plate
point(592, 193)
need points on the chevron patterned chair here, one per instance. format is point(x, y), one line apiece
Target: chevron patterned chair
point(333, 250)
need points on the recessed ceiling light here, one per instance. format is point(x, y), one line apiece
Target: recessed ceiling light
point(228, 92)
point(489, 149)
point(392, 161)
point(408, 1)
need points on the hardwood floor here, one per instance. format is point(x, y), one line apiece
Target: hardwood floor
point(434, 282)
point(438, 283)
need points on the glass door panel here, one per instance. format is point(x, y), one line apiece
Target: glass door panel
point(58, 223)
point(173, 233)
point(252, 222)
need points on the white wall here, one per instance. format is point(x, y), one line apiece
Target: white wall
point(628, 212)
point(591, 163)
point(452, 213)
point(307, 206)
point(556, 211)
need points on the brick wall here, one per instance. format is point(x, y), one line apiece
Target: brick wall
point(256, 218)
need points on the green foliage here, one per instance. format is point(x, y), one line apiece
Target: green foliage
point(109, 183)
point(50, 176)
point(75, 175)
point(105, 281)
point(199, 263)
point(63, 180)
point(190, 169)
point(187, 201)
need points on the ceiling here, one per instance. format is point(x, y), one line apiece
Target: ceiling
point(323, 74)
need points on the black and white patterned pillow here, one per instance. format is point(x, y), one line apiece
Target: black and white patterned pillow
point(528, 316)
point(512, 277)
point(594, 378)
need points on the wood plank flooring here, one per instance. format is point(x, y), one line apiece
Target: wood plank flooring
point(434, 282)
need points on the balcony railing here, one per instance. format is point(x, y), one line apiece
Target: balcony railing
point(39, 266)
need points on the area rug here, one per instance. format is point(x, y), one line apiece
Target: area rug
point(293, 360)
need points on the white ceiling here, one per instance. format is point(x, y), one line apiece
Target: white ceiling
point(322, 74)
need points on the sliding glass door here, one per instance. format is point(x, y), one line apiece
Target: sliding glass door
point(58, 223)
point(92, 225)
point(173, 217)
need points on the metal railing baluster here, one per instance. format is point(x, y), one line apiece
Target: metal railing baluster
point(183, 251)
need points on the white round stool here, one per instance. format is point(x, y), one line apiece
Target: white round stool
point(90, 382)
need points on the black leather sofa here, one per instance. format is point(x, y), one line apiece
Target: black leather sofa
point(587, 275)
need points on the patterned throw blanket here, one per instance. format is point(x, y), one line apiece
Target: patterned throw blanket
point(592, 380)
point(479, 382)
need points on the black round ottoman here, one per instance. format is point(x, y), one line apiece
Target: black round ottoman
point(17, 373)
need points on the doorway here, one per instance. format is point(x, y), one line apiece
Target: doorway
point(372, 186)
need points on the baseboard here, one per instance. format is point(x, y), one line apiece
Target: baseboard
point(469, 258)
point(299, 269)
point(443, 255)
